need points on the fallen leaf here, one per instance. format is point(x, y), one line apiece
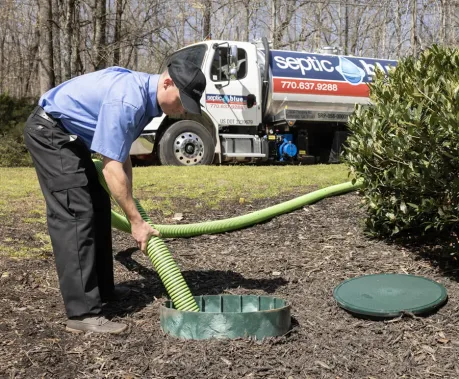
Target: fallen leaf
point(420, 358)
point(428, 349)
point(226, 361)
point(178, 217)
point(324, 365)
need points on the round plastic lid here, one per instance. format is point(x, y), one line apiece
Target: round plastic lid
point(389, 295)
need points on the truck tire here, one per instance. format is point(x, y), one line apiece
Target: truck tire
point(186, 143)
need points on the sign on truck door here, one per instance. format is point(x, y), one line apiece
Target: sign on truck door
point(226, 99)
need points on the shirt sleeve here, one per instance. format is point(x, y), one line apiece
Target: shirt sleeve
point(115, 130)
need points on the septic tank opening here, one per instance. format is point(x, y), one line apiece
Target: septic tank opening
point(228, 316)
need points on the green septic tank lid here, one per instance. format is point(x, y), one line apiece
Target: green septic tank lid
point(388, 295)
point(228, 316)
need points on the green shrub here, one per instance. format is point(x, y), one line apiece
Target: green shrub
point(406, 145)
point(13, 116)
point(13, 152)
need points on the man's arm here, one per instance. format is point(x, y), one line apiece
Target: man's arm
point(127, 166)
point(119, 180)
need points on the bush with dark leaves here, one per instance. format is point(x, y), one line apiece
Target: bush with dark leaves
point(406, 146)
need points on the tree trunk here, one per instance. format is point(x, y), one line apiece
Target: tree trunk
point(75, 61)
point(445, 22)
point(247, 20)
point(56, 24)
point(290, 9)
point(100, 59)
point(117, 42)
point(384, 32)
point(2, 62)
point(32, 62)
point(452, 23)
point(318, 36)
point(206, 30)
point(346, 29)
point(68, 40)
point(398, 29)
point(274, 11)
point(357, 21)
point(414, 43)
point(18, 67)
point(46, 72)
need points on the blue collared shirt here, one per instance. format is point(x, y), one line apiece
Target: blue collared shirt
point(107, 109)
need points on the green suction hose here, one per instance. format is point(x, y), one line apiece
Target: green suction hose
point(239, 222)
point(160, 257)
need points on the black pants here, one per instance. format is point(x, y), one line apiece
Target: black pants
point(78, 214)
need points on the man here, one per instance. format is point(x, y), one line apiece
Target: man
point(104, 112)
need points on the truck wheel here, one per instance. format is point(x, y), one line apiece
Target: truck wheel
point(186, 143)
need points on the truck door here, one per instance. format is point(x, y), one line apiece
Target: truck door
point(226, 96)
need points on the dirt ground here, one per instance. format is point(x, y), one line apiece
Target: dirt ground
point(300, 257)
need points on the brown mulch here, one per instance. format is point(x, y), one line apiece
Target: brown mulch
point(300, 257)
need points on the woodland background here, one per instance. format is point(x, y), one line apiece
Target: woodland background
point(45, 42)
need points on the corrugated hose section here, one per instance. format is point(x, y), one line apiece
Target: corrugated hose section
point(159, 255)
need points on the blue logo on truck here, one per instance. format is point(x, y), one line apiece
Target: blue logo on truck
point(226, 99)
point(350, 71)
point(354, 70)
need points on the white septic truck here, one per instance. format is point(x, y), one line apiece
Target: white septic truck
point(262, 105)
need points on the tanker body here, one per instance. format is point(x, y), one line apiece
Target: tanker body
point(262, 105)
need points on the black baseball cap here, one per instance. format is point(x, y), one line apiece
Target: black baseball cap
point(190, 81)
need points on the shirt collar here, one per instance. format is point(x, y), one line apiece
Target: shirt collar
point(153, 108)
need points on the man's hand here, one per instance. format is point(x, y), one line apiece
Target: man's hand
point(142, 231)
point(119, 180)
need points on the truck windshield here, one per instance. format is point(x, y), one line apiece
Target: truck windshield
point(194, 54)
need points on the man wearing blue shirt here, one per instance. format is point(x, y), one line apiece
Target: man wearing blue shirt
point(103, 112)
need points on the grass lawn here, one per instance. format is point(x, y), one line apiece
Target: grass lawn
point(160, 187)
point(163, 189)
